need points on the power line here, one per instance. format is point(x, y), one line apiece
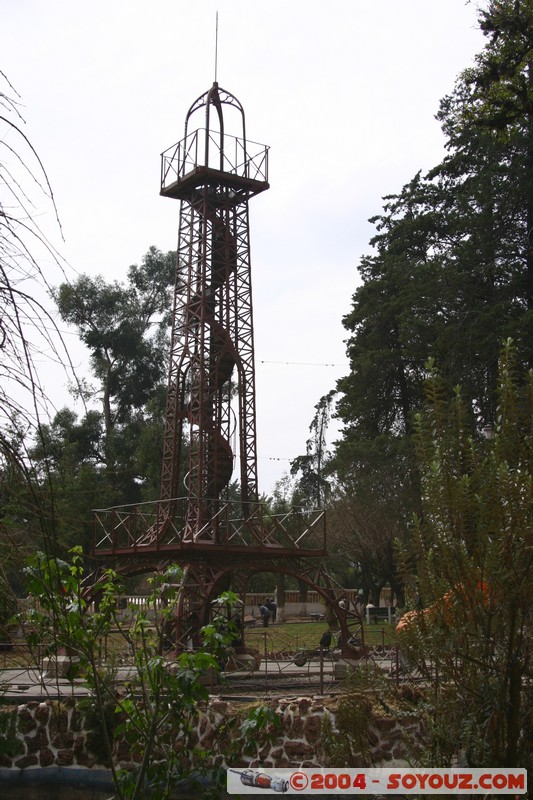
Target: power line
point(302, 363)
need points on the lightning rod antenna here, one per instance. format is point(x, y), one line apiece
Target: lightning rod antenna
point(216, 46)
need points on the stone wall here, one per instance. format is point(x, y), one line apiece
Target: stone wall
point(58, 734)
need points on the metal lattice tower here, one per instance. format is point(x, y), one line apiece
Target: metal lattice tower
point(213, 174)
point(210, 433)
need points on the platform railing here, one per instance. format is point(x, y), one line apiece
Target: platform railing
point(202, 148)
point(181, 522)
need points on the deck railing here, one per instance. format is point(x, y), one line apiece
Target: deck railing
point(181, 521)
point(202, 148)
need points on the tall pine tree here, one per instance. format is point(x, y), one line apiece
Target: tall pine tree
point(450, 272)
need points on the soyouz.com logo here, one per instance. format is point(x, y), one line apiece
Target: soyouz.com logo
point(405, 780)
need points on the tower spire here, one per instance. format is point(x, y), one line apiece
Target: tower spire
point(216, 46)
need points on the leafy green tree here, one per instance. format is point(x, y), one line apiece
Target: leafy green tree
point(69, 473)
point(125, 328)
point(110, 456)
point(469, 564)
point(71, 470)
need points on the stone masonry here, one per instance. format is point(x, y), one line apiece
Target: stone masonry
point(56, 734)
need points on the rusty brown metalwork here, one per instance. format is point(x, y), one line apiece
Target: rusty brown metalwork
point(210, 420)
point(214, 175)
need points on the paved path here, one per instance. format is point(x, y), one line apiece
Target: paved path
point(22, 684)
point(29, 684)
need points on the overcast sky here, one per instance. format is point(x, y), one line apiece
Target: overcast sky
point(344, 92)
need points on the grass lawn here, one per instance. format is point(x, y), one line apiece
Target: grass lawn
point(292, 636)
point(288, 637)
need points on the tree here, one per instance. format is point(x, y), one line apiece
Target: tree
point(27, 327)
point(125, 329)
point(110, 456)
point(446, 282)
point(448, 277)
point(69, 471)
point(502, 87)
point(58, 469)
point(312, 483)
point(469, 562)
point(361, 542)
point(28, 334)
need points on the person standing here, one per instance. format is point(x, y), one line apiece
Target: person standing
point(272, 607)
point(265, 614)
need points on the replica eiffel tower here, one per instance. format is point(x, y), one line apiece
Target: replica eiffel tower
point(210, 422)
